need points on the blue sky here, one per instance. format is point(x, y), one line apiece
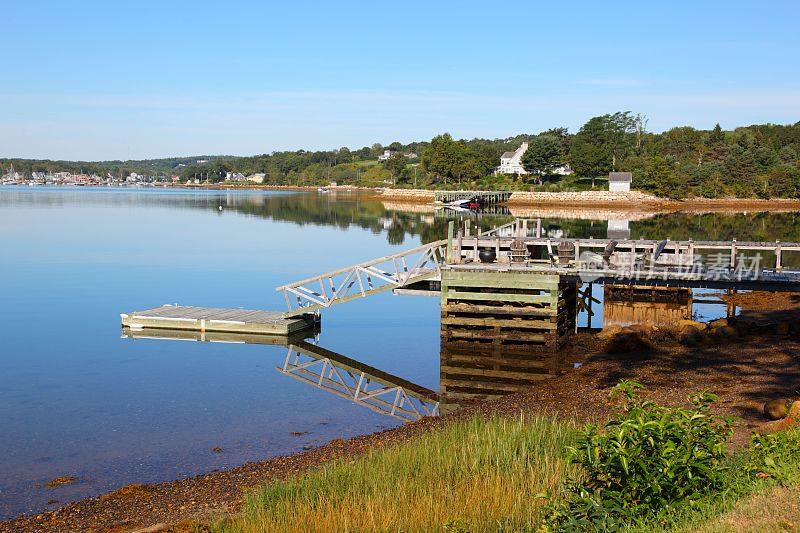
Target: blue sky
point(103, 80)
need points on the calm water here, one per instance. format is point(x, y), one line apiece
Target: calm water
point(76, 399)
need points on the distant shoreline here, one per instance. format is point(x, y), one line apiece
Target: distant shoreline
point(632, 201)
point(635, 200)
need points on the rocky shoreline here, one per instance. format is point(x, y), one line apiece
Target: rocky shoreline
point(634, 200)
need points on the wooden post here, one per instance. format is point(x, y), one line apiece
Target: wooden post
point(633, 256)
point(538, 228)
point(466, 228)
point(778, 265)
point(457, 249)
point(733, 254)
point(590, 292)
point(449, 253)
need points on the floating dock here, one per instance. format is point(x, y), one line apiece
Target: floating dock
point(218, 320)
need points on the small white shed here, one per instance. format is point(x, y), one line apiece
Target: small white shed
point(619, 181)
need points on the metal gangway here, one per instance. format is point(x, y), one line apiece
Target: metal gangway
point(364, 279)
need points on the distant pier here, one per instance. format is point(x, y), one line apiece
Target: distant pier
point(485, 197)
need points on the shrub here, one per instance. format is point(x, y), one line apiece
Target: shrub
point(644, 462)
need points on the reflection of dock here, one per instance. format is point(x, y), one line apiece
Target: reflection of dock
point(478, 373)
point(217, 319)
point(329, 371)
point(215, 336)
point(655, 306)
point(360, 383)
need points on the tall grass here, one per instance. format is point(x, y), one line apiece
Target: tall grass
point(476, 475)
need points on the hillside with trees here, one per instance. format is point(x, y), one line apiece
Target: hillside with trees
point(752, 161)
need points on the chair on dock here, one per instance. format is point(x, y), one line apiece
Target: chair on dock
point(519, 251)
point(608, 251)
point(649, 258)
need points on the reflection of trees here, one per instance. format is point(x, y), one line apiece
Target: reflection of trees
point(720, 227)
point(348, 210)
point(345, 210)
point(396, 234)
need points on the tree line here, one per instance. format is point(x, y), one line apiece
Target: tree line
point(750, 161)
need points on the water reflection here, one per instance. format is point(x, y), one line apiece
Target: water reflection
point(360, 383)
point(399, 221)
point(626, 305)
point(337, 374)
point(469, 371)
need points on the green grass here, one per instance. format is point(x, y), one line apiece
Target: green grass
point(476, 475)
point(501, 474)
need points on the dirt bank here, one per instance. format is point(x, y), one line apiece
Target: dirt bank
point(761, 361)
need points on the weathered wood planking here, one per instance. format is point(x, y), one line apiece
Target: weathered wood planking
point(178, 317)
point(512, 310)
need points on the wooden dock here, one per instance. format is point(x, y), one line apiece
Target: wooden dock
point(216, 319)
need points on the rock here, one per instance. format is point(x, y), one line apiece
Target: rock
point(690, 336)
point(628, 341)
point(776, 409)
point(704, 340)
point(609, 332)
point(718, 323)
point(639, 328)
point(59, 481)
point(699, 326)
point(778, 425)
point(725, 332)
point(794, 410)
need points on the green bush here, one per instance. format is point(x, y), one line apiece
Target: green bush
point(644, 462)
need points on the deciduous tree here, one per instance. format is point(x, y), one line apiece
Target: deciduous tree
point(543, 156)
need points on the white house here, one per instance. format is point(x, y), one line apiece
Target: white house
point(511, 163)
point(256, 178)
point(619, 181)
point(389, 153)
point(234, 176)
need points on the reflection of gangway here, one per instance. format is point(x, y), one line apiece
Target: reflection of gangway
point(362, 384)
point(365, 385)
point(364, 279)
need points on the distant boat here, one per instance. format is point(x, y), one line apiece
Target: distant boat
point(473, 202)
point(322, 189)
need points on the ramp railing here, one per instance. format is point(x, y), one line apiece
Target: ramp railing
point(364, 279)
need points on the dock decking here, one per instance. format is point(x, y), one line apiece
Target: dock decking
point(217, 319)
